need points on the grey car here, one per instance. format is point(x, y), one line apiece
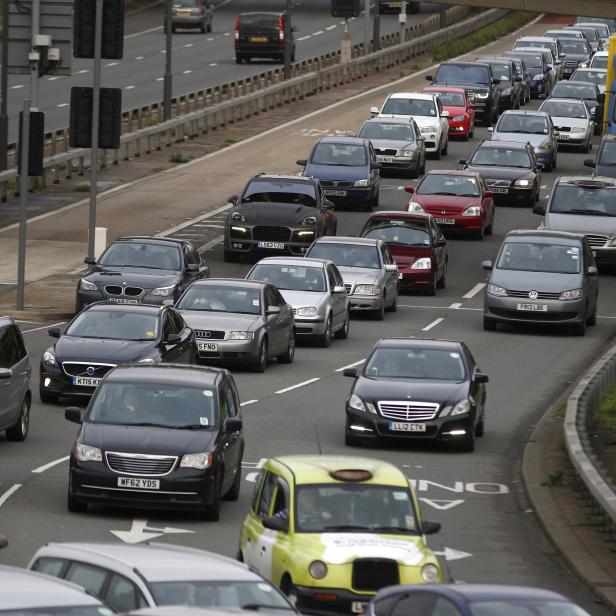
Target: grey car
point(542, 277)
point(191, 14)
point(315, 289)
point(239, 321)
point(398, 144)
point(15, 371)
point(127, 577)
point(27, 592)
point(572, 121)
point(534, 127)
point(369, 271)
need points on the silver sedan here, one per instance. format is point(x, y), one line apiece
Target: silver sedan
point(315, 289)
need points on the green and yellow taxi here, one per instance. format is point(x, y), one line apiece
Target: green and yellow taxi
point(330, 531)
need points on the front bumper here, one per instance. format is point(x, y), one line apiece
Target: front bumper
point(349, 195)
point(365, 302)
point(459, 128)
point(83, 298)
point(515, 194)
point(228, 351)
point(414, 278)
point(398, 163)
point(569, 138)
point(56, 382)
point(287, 240)
point(309, 327)
point(432, 141)
point(558, 312)
point(545, 156)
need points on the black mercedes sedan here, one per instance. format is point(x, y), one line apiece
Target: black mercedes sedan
point(104, 335)
point(158, 437)
point(412, 388)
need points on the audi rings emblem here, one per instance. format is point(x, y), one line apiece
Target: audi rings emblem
point(208, 334)
point(533, 295)
point(90, 370)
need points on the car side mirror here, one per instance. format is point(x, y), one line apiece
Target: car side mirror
point(589, 162)
point(440, 242)
point(376, 165)
point(409, 189)
point(549, 68)
point(302, 162)
point(173, 339)
point(352, 372)
point(5, 373)
point(233, 199)
point(540, 165)
point(480, 377)
point(461, 161)
point(445, 114)
point(490, 129)
point(192, 267)
point(73, 414)
point(429, 78)
point(496, 81)
point(89, 261)
point(279, 524)
point(429, 528)
point(338, 290)
point(539, 209)
point(592, 270)
point(487, 265)
point(391, 267)
point(54, 332)
point(488, 193)
point(233, 424)
point(273, 310)
point(374, 111)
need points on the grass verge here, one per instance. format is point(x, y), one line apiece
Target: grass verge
point(605, 418)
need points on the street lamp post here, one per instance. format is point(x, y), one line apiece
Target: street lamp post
point(4, 78)
point(288, 51)
point(168, 85)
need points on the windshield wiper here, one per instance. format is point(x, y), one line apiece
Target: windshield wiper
point(398, 529)
point(147, 424)
point(263, 606)
point(446, 194)
point(588, 211)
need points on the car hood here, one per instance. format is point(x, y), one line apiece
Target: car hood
point(133, 277)
point(435, 203)
point(500, 173)
point(549, 282)
point(274, 213)
point(572, 122)
point(580, 57)
point(534, 71)
point(471, 87)
point(398, 144)
point(422, 390)
point(405, 255)
point(359, 274)
point(75, 348)
point(534, 140)
point(337, 172)
point(454, 111)
point(221, 320)
point(298, 299)
point(147, 439)
point(581, 223)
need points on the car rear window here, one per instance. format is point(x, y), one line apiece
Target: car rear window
point(259, 22)
point(462, 73)
point(599, 62)
point(452, 99)
point(347, 255)
point(387, 130)
point(405, 232)
point(522, 123)
point(572, 90)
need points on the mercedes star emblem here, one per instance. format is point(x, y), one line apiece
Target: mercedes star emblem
point(533, 295)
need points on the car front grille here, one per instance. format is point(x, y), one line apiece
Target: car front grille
point(348, 287)
point(540, 294)
point(494, 183)
point(271, 233)
point(386, 151)
point(97, 371)
point(140, 464)
point(563, 129)
point(570, 64)
point(113, 289)
point(210, 334)
point(372, 574)
point(597, 241)
point(336, 184)
point(408, 410)
point(470, 95)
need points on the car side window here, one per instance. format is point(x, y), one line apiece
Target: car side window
point(281, 505)
point(277, 299)
point(265, 499)
point(169, 325)
point(195, 257)
point(331, 278)
point(90, 577)
point(50, 566)
point(436, 232)
point(470, 360)
point(414, 603)
point(122, 595)
point(589, 258)
point(230, 400)
point(20, 347)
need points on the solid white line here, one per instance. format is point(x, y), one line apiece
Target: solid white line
point(62, 105)
point(433, 324)
point(159, 78)
point(188, 45)
point(9, 493)
point(248, 402)
point(24, 321)
point(42, 469)
point(187, 71)
point(82, 71)
point(302, 384)
point(478, 287)
point(129, 87)
point(187, 223)
point(53, 78)
point(36, 329)
point(455, 305)
point(356, 363)
point(139, 58)
point(331, 27)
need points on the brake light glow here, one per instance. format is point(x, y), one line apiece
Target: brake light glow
point(280, 29)
point(237, 28)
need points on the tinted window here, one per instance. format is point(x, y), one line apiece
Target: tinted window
point(114, 325)
point(532, 61)
point(527, 607)
point(540, 257)
point(170, 325)
point(85, 610)
point(442, 184)
point(599, 62)
point(221, 298)
point(122, 595)
point(501, 71)
point(258, 21)
point(290, 277)
point(567, 197)
point(90, 577)
point(598, 76)
point(20, 347)
point(410, 107)
point(8, 351)
point(397, 232)
point(301, 193)
point(339, 154)
point(573, 90)
point(267, 493)
point(452, 99)
point(522, 123)
point(574, 46)
point(387, 130)
point(501, 157)
point(463, 73)
point(347, 255)
point(142, 254)
point(416, 363)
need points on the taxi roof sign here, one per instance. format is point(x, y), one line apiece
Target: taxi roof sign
point(351, 474)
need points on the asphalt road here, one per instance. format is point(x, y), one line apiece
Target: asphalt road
point(198, 60)
point(477, 497)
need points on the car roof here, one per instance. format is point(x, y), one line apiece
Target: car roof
point(536, 38)
point(458, 63)
point(176, 374)
point(412, 342)
point(139, 308)
point(492, 59)
point(544, 233)
point(306, 261)
point(389, 214)
point(532, 50)
point(154, 561)
point(591, 69)
point(24, 589)
point(389, 120)
point(228, 282)
point(346, 239)
point(281, 176)
point(268, 13)
point(525, 112)
point(590, 181)
point(344, 140)
point(147, 239)
point(425, 96)
point(510, 145)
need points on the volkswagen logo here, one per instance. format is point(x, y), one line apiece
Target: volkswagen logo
point(90, 370)
point(533, 295)
point(335, 183)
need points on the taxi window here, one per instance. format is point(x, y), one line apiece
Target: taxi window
point(269, 487)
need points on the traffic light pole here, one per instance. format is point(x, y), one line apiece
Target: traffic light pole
point(288, 51)
point(96, 91)
point(24, 155)
point(168, 83)
point(4, 85)
point(34, 53)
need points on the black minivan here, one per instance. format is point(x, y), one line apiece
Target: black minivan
point(262, 35)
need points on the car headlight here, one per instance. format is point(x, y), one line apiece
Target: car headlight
point(428, 129)
point(524, 183)
point(355, 402)
point(415, 208)
point(317, 569)
point(572, 294)
point(506, 91)
point(539, 77)
point(464, 406)
point(578, 129)
point(366, 289)
point(593, 111)
point(494, 289)
point(85, 453)
point(473, 210)
point(611, 242)
point(306, 311)
point(583, 65)
point(482, 95)
point(196, 460)
point(459, 118)
point(545, 145)
point(238, 217)
point(240, 229)
point(430, 573)
point(86, 285)
point(425, 263)
point(49, 359)
point(241, 335)
point(163, 290)
point(365, 182)
point(408, 152)
point(309, 221)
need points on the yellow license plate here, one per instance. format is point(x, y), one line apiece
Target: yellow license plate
point(258, 39)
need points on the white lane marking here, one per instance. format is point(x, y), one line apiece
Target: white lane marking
point(210, 39)
point(16, 87)
point(42, 469)
point(355, 363)
point(53, 78)
point(129, 87)
point(317, 33)
point(439, 307)
point(303, 38)
point(433, 324)
point(160, 79)
point(227, 34)
point(36, 329)
point(188, 223)
point(187, 71)
point(213, 64)
point(23, 320)
point(62, 105)
point(247, 402)
point(478, 287)
point(302, 384)
point(139, 58)
point(211, 225)
point(163, 51)
point(209, 245)
point(9, 493)
point(83, 71)
point(189, 45)
point(455, 305)
point(111, 64)
point(332, 27)
point(544, 186)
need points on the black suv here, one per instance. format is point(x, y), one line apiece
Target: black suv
point(510, 82)
point(277, 214)
point(141, 270)
point(262, 35)
point(159, 437)
point(478, 81)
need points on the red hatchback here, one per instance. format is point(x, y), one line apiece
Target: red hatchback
point(458, 200)
point(417, 246)
point(461, 111)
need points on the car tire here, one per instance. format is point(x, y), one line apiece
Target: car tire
point(375, 201)
point(260, 363)
point(490, 227)
point(19, 431)
point(325, 339)
point(343, 332)
point(234, 492)
point(442, 281)
point(46, 397)
point(422, 170)
point(393, 307)
point(239, 59)
point(288, 356)
point(489, 325)
point(203, 29)
point(438, 153)
point(211, 512)
point(209, 27)
point(230, 257)
point(431, 290)
point(414, 173)
point(288, 589)
point(480, 427)
point(592, 319)
point(379, 314)
point(75, 506)
point(479, 235)
point(471, 134)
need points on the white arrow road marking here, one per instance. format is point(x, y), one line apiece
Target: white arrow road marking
point(451, 554)
point(440, 504)
point(140, 531)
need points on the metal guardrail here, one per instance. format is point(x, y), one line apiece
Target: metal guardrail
point(203, 111)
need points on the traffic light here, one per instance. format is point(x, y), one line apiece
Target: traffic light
point(110, 118)
point(36, 143)
point(110, 123)
point(84, 23)
point(80, 128)
point(345, 8)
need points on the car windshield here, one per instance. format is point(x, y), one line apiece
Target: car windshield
point(141, 254)
point(588, 74)
point(300, 193)
point(452, 99)
point(525, 607)
point(415, 363)
point(501, 71)
point(339, 154)
point(607, 154)
point(522, 123)
point(463, 73)
point(221, 298)
point(114, 325)
point(599, 62)
point(409, 107)
point(73, 610)
point(185, 3)
point(387, 130)
point(347, 255)
point(153, 404)
point(564, 109)
point(567, 198)
point(404, 232)
point(454, 185)
point(252, 595)
point(533, 61)
point(290, 277)
point(574, 46)
point(540, 257)
point(355, 507)
point(574, 90)
point(501, 157)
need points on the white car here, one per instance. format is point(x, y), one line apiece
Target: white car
point(573, 124)
point(600, 60)
point(428, 113)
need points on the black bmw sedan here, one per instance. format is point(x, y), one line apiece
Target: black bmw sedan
point(158, 437)
point(419, 389)
point(104, 335)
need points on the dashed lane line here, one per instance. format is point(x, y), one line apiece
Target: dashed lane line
point(247, 402)
point(9, 493)
point(36, 329)
point(297, 385)
point(353, 365)
point(45, 467)
point(434, 323)
point(478, 287)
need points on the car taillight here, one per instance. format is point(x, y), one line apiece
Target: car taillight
point(280, 29)
point(237, 29)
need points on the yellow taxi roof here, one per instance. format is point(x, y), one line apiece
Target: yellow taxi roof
point(317, 469)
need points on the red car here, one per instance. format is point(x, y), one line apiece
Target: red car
point(458, 200)
point(417, 246)
point(461, 111)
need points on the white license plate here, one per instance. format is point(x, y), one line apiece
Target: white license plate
point(403, 426)
point(358, 607)
point(498, 189)
point(122, 300)
point(275, 245)
point(445, 221)
point(85, 381)
point(184, 12)
point(335, 193)
point(533, 307)
point(138, 482)
point(385, 159)
point(207, 346)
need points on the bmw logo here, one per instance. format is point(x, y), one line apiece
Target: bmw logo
point(533, 295)
point(90, 370)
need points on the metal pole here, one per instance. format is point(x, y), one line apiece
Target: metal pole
point(376, 28)
point(4, 78)
point(23, 203)
point(367, 26)
point(96, 91)
point(168, 85)
point(34, 63)
point(287, 44)
point(402, 19)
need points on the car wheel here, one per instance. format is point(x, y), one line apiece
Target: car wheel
point(431, 290)
point(472, 132)
point(288, 356)
point(239, 59)
point(75, 506)
point(379, 314)
point(209, 27)
point(375, 201)
point(423, 165)
point(479, 235)
point(442, 282)
point(203, 29)
point(234, 492)
point(490, 227)
point(230, 257)
point(554, 161)
point(326, 338)
point(211, 512)
point(260, 363)
point(414, 173)
point(438, 153)
point(288, 589)
point(46, 397)
point(19, 431)
point(394, 305)
point(592, 319)
point(480, 428)
point(445, 149)
point(489, 325)
point(343, 332)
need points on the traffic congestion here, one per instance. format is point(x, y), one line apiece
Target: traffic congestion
point(296, 405)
